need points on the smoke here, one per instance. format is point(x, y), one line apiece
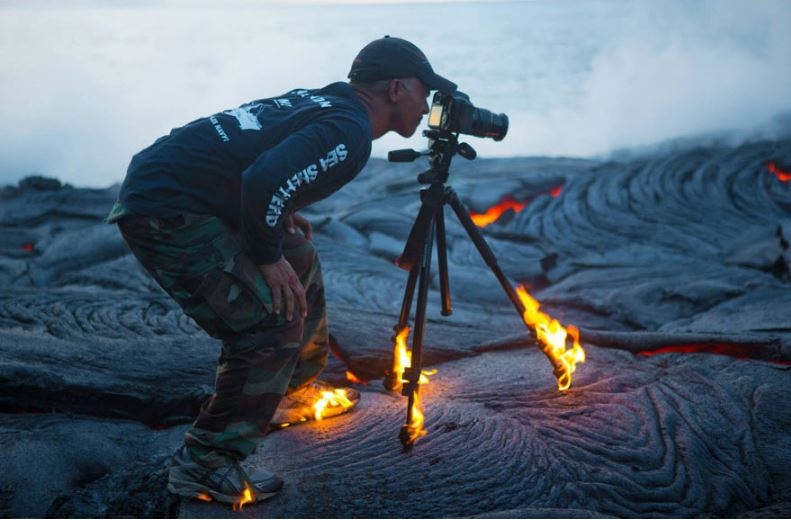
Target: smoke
point(675, 69)
point(88, 85)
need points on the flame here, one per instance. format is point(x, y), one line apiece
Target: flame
point(780, 174)
point(246, 498)
point(553, 339)
point(336, 397)
point(203, 496)
point(402, 359)
point(414, 429)
point(352, 378)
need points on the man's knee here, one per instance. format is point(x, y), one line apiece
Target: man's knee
point(301, 254)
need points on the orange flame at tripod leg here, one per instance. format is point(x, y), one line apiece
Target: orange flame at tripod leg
point(402, 359)
point(413, 430)
point(553, 339)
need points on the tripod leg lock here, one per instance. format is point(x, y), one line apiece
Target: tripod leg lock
point(411, 381)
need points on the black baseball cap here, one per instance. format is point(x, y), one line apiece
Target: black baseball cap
point(389, 57)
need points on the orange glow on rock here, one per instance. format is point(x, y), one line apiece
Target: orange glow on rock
point(553, 339)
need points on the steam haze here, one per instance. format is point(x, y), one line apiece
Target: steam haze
point(88, 84)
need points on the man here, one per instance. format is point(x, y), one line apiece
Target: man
point(209, 211)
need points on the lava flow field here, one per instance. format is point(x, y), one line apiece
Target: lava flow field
point(674, 266)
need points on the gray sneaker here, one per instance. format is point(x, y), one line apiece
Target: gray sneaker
point(229, 484)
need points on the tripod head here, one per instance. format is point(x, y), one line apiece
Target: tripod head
point(443, 146)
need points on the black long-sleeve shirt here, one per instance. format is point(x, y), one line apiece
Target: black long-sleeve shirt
point(253, 165)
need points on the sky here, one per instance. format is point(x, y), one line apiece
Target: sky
point(87, 83)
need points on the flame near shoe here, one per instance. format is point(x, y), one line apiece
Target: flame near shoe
point(316, 402)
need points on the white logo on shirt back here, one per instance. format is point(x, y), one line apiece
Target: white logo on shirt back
point(246, 117)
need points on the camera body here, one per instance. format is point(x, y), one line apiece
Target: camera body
point(456, 113)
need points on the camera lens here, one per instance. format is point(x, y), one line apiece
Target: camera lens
point(489, 124)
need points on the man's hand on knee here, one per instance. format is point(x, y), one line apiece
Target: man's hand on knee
point(286, 287)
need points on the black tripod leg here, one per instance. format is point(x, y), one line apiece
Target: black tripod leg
point(421, 233)
point(483, 248)
point(442, 260)
point(420, 310)
point(410, 430)
point(392, 380)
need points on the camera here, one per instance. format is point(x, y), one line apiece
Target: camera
point(455, 113)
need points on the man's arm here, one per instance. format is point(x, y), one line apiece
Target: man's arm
point(307, 166)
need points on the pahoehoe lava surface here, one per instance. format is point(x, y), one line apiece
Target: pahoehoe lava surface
point(633, 438)
point(679, 253)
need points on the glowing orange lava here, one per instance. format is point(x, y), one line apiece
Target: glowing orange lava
point(734, 350)
point(780, 174)
point(494, 213)
point(553, 339)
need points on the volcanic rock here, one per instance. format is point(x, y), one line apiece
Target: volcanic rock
point(682, 254)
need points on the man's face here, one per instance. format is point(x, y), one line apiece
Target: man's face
point(411, 106)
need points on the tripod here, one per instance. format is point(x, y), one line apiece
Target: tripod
point(416, 257)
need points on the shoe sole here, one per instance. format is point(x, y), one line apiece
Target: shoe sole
point(193, 490)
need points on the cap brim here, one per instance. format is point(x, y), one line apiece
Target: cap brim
point(437, 82)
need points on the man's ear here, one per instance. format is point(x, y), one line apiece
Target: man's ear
point(395, 90)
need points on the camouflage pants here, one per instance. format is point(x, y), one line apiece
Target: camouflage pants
point(199, 262)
